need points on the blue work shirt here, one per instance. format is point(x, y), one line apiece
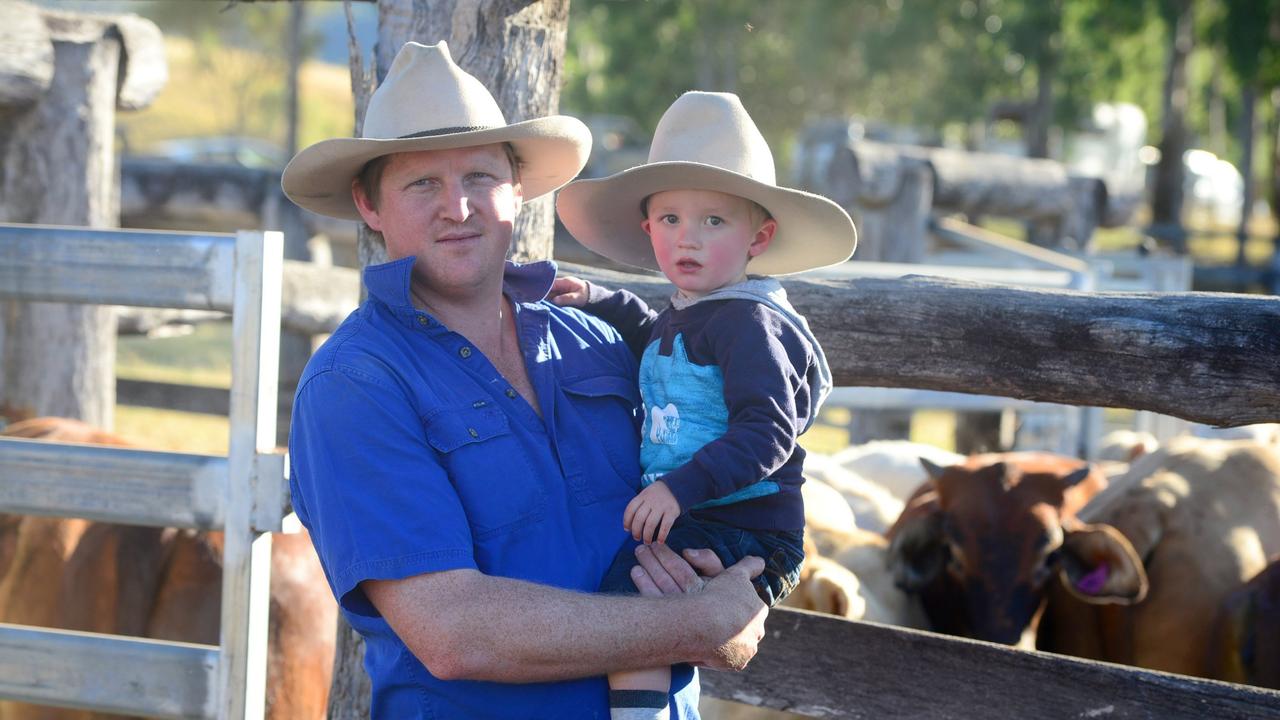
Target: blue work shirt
point(411, 454)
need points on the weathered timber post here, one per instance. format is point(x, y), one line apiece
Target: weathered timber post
point(890, 197)
point(62, 78)
point(516, 48)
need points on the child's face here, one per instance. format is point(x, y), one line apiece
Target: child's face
point(703, 239)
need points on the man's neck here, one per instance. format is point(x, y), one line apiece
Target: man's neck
point(476, 315)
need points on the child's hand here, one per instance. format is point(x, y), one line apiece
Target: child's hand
point(654, 510)
point(568, 291)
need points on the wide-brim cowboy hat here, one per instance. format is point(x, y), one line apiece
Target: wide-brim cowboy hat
point(427, 102)
point(707, 141)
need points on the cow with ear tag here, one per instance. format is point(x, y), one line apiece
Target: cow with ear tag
point(1204, 517)
point(982, 540)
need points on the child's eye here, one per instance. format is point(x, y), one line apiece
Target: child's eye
point(669, 220)
point(715, 220)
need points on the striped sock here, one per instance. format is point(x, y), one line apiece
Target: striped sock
point(638, 705)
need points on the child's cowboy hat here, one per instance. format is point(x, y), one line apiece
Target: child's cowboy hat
point(707, 141)
point(427, 102)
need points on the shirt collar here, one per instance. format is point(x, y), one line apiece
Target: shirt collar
point(388, 283)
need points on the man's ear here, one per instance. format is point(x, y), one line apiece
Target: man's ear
point(762, 238)
point(1100, 566)
point(364, 205)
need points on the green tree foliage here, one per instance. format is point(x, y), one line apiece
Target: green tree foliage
point(935, 65)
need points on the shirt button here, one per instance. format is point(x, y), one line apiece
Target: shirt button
point(511, 393)
point(465, 352)
point(473, 432)
point(422, 320)
point(478, 404)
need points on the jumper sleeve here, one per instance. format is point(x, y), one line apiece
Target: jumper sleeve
point(626, 312)
point(764, 361)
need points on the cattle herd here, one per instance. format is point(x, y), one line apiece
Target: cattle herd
point(1168, 560)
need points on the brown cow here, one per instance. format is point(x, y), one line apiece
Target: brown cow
point(981, 541)
point(1204, 516)
point(160, 583)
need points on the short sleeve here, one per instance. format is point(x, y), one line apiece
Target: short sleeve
point(369, 487)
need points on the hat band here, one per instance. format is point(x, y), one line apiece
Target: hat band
point(447, 131)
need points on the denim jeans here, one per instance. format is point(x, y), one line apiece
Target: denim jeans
point(782, 551)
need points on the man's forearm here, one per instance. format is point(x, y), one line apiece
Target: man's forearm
point(463, 624)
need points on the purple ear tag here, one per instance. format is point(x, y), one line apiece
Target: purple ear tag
point(1092, 583)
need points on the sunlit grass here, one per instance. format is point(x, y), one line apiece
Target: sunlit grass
point(202, 358)
point(157, 429)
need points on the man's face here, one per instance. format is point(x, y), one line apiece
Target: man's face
point(453, 209)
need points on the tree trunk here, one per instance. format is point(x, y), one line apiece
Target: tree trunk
point(1042, 111)
point(59, 168)
point(1166, 205)
point(1248, 107)
point(516, 48)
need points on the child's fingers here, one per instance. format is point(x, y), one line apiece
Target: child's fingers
point(639, 522)
point(668, 519)
point(629, 514)
point(651, 524)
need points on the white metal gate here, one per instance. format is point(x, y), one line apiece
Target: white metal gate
point(243, 494)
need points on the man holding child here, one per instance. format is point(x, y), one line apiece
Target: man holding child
point(462, 451)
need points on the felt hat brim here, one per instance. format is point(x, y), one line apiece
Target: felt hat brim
point(551, 150)
point(604, 215)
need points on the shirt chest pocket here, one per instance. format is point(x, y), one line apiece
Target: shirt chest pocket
point(488, 467)
point(605, 408)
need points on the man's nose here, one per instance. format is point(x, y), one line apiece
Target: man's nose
point(456, 204)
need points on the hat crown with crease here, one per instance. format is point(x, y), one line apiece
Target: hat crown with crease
point(407, 104)
point(428, 103)
point(713, 129)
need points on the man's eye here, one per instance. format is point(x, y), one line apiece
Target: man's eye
point(481, 176)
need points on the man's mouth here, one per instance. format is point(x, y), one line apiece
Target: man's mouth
point(457, 236)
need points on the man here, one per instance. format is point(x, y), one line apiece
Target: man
point(461, 450)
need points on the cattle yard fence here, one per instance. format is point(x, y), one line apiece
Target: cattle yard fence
point(243, 494)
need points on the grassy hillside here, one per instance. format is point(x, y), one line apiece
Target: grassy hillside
point(236, 92)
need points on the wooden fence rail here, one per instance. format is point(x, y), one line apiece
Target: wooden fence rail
point(1206, 357)
point(823, 666)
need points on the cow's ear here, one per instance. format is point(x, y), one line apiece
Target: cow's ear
point(1099, 566)
point(1077, 477)
point(933, 469)
point(917, 553)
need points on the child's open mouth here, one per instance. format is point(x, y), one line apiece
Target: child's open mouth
point(689, 265)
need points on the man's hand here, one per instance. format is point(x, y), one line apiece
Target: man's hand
point(650, 515)
point(568, 291)
point(662, 572)
point(736, 623)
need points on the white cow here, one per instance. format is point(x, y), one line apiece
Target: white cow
point(894, 464)
point(874, 508)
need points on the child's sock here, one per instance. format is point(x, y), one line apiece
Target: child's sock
point(638, 705)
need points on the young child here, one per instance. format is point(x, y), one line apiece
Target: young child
point(729, 374)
